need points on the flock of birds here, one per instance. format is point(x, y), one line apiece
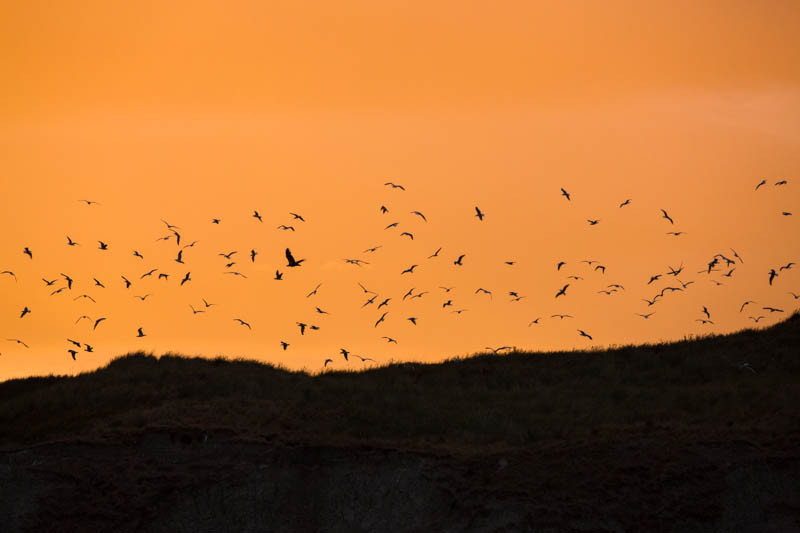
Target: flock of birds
point(724, 264)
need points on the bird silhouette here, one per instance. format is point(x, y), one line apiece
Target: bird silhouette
point(395, 185)
point(648, 315)
point(27, 251)
point(560, 264)
point(10, 273)
point(412, 319)
point(140, 333)
point(242, 322)
point(495, 351)
point(407, 234)
point(389, 339)
point(762, 182)
point(18, 341)
point(284, 345)
point(562, 291)
point(459, 260)
point(479, 214)
point(385, 302)
point(295, 216)
point(195, 311)
point(314, 292)
point(787, 266)
point(772, 309)
point(666, 216)
point(562, 317)
point(257, 216)
point(327, 361)
point(565, 194)
point(756, 319)
point(102, 245)
point(584, 334)
point(70, 242)
point(291, 260)
point(745, 304)
point(409, 270)
point(435, 254)
point(592, 222)
point(48, 283)
point(772, 275)
point(278, 275)
point(206, 303)
point(150, 273)
point(534, 321)
point(302, 327)
point(24, 312)
point(626, 202)
point(179, 259)
point(384, 210)
point(382, 318)
point(705, 311)
point(143, 298)
point(284, 227)
point(419, 215)
point(781, 182)
point(73, 353)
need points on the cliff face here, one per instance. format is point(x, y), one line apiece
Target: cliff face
point(195, 481)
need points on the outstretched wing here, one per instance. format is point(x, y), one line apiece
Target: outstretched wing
point(289, 257)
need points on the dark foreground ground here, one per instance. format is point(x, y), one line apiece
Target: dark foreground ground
point(676, 437)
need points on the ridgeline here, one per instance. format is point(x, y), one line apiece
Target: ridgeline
point(696, 435)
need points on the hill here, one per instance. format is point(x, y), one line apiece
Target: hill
point(697, 435)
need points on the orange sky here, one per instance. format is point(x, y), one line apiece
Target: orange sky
point(198, 110)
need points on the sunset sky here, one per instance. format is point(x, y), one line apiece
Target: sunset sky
point(189, 111)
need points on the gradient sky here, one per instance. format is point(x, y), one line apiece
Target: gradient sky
point(195, 110)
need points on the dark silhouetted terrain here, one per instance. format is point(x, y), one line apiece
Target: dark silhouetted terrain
point(699, 435)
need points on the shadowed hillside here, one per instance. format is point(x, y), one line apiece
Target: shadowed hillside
point(652, 435)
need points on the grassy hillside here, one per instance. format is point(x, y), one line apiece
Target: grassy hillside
point(506, 400)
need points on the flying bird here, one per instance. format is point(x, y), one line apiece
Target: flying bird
point(565, 194)
point(20, 342)
point(381, 319)
point(291, 260)
point(140, 333)
point(102, 245)
point(27, 251)
point(458, 261)
point(563, 291)
point(419, 215)
point(242, 322)
point(409, 270)
point(395, 185)
point(278, 275)
point(10, 273)
point(97, 322)
point(666, 216)
point(412, 319)
point(584, 334)
point(592, 222)
point(435, 254)
point(479, 214)
point(772, 275)
point(186, 278)
point(626, 202)
point(295, 216)
point(25, 311)
point(763, 182)
point(407, 234)
point(257, 216)
point(314, 292)
point(648, 315)
point(284, 345)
